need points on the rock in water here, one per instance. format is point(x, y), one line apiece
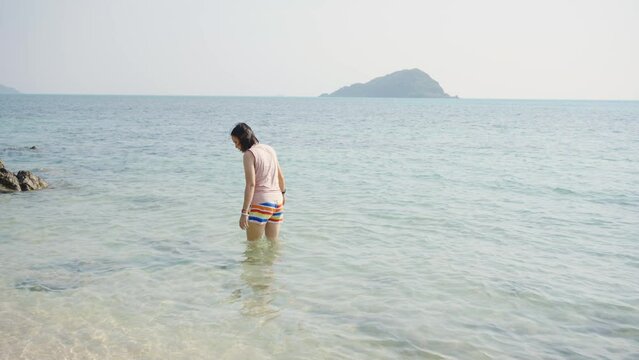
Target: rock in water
point(22, 181)
point(29, 181)
point(8, 181)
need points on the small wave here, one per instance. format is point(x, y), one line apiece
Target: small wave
point(40, 286)
point(564, 191)
point(620, 199)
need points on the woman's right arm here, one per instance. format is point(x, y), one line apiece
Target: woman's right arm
point(280, 178)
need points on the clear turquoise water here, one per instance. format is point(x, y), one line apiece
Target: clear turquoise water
point(471, 229)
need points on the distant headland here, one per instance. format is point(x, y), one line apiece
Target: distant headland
point(412, 83)
point(8, 90)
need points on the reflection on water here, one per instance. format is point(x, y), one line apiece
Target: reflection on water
point(258, 274)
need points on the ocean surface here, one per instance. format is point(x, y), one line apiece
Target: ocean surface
point(414, 229)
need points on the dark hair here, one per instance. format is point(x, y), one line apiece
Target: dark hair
point(246, 136)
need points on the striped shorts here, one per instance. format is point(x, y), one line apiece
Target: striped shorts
point(266, 212)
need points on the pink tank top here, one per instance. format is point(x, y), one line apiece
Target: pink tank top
point(267, 184)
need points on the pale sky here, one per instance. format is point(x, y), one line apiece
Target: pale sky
point(559, 49)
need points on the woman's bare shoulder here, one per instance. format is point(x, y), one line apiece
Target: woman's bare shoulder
point(248, 155)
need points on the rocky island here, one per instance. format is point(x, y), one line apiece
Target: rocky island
point(412, 83)
point(8, 90)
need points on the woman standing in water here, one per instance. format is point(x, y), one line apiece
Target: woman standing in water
point(262, 211)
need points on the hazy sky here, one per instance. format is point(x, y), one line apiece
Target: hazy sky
point(559, 49)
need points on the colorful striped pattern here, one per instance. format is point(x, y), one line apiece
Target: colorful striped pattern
point(266, 212)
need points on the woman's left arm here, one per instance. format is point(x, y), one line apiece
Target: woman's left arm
point(249, 188)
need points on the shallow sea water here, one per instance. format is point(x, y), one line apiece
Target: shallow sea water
point(414, 228)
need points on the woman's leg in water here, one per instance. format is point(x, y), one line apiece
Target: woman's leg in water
point(272, 230)
point(254, 231)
